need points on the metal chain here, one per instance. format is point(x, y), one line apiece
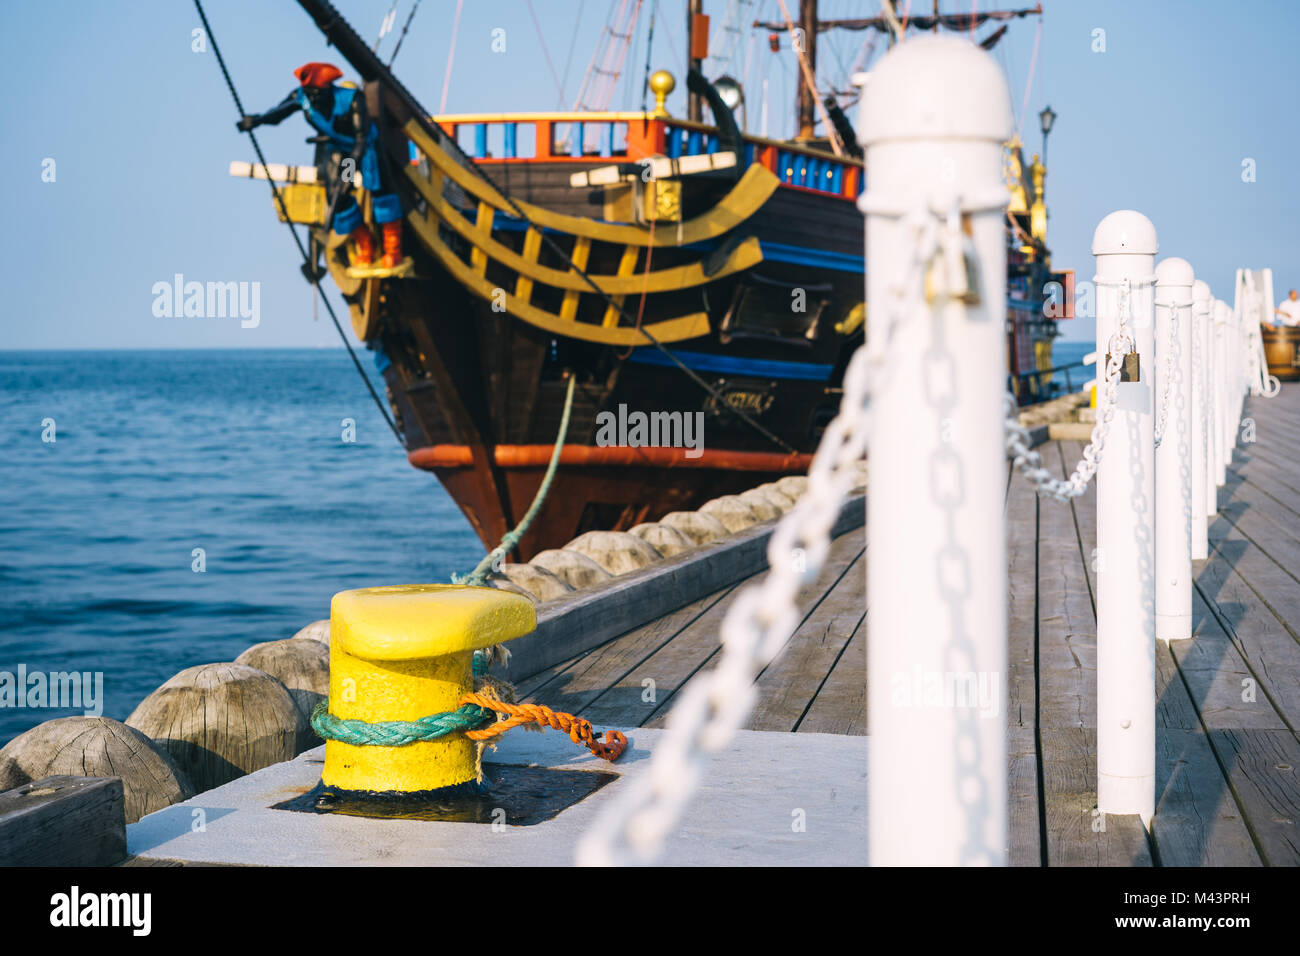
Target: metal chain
point(715, 705)
point(1029, 462)
point(1162, 420)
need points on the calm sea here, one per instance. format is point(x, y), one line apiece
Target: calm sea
point(156, 454)
point(1070, 355)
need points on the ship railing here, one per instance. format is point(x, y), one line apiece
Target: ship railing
point(1038, 385)
point(583, 137)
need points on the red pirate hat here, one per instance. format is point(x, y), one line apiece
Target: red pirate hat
point(317, 74)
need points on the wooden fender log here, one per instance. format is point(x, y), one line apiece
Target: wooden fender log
point(665, 539)
point(315, 631)
point(97, 747)
point(732, 512)
point(793, 486)
point(616, 551)
point(700, 528)
point(303, 667)
point(573, 567)
point(221, 721)
point(537, 581)
point(760, 503)
point(503, 583)
point(777, 496)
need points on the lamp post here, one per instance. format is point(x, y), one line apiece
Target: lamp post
point(1045, 119)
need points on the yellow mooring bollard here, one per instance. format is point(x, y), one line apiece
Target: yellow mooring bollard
point(403, 653)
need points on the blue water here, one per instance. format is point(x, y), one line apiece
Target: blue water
point(1070, 355)
point(240, 453)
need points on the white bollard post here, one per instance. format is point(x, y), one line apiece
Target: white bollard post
point(1211, 415)
point(1200, 420)
point(1173, 494)
point(1238, 375)
point(933, 120)
point(1125, 246)
point(1222, 402)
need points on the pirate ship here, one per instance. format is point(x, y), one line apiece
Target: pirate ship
point(669, 265)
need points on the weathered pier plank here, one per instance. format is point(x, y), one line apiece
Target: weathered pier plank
point(702, 648)
point(788, 686)
point(63, 821)
point(590, 617)
point(840, 706)
point(574, 684)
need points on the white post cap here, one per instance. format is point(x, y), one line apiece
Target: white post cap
point(935, 87)
point(1126, 233)
point(1201, 291)
point(1175, 271)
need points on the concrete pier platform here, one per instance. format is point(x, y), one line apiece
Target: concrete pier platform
point(771, 798)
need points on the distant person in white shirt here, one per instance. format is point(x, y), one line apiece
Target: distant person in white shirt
point(1289, 310)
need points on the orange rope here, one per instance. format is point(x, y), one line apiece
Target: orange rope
point(579, 730)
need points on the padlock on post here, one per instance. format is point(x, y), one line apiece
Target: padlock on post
point(957, 256)
point(1130, 369)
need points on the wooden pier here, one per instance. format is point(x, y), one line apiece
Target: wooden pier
point(1228, 771)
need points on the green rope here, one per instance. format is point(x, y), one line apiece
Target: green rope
point(478, 576)
point(399, 733)
point(396, 733)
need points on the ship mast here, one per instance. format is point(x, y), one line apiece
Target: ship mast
point(697, 38)
point(804, 96)
point(810, 25)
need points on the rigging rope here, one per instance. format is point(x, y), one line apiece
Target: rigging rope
point(649, 50)
point(806, 68)
point(1029, 81)
point(401, 36)
point(307, 261)
point(385, 25)
point(451, 57)
point(541, 40)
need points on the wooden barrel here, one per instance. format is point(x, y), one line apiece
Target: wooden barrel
point(1282, 350)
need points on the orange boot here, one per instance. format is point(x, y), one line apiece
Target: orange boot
point(392, 245)
point(365, 246)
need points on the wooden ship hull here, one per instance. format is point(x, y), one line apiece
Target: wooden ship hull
point(729, 296)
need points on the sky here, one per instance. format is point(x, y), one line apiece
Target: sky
point(140, 129)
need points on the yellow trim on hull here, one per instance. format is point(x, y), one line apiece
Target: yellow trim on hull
point(669, 330)
point(746, 255)
point(747, 196)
